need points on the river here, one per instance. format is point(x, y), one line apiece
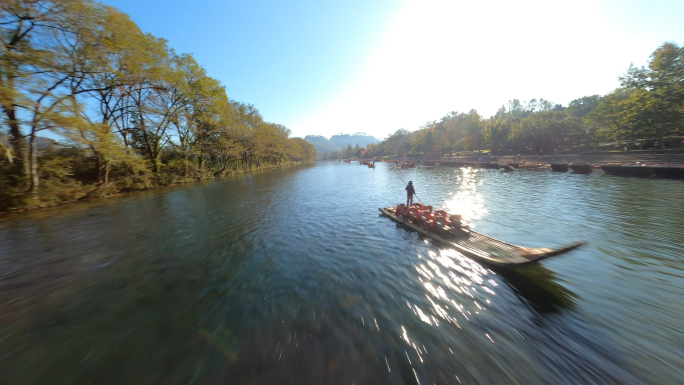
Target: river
point(292, 277)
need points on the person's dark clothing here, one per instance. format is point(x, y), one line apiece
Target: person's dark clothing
point(409, 194)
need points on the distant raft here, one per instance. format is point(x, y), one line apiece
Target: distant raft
point(476, 245)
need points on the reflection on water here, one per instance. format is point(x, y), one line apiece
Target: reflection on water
point(292, 277)
point(466, 200)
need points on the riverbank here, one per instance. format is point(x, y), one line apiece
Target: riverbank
point(619, 158)
point(105, 195)
point(612, 158)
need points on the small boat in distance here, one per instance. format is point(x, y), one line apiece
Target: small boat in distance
point(475, 245)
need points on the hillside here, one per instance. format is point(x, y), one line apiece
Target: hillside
point(339, 141)
point(321, 144)
point(41, 142)
point(360, 138)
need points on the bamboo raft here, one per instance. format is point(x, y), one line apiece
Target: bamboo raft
point(479, 246)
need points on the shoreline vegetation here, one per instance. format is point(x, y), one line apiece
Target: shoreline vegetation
point(90, 107)
point(151, 189)
point(645, 112)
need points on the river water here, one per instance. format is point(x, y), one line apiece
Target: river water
point(292, 277)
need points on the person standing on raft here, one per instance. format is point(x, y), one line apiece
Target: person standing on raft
point(410, 192)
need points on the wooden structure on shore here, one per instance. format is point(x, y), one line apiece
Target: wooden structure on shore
point(581, 168)
point(629, 170)
point(559, 167)
point(626, 170)
point(669, 172)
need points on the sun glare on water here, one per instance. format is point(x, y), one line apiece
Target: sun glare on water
point(467, 202)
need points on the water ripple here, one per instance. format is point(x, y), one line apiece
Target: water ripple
point(293, 277)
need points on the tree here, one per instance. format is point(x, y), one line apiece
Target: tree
point(38, 39)
point(605, 120)
point(53, 51)
point(453, 130)
point(398, 143)
point(497, 129)
point(579, 108)
point(121, 99)
point(655, 106)
point(122, 59)
point(307, 150)
point(472, 128)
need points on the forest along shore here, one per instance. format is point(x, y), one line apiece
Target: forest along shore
point(100, 119)
point(158, 187)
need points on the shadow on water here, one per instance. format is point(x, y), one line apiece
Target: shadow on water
point(534, 284)
point(537, 286)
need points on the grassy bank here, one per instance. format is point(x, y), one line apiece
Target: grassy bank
point(74, 191)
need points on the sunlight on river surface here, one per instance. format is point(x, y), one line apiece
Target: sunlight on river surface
point(466, 200)
point(292, 277)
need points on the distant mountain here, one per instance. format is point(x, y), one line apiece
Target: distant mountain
point(339, 141)
point(321, 144)
point(41, 142)
point(360, 138)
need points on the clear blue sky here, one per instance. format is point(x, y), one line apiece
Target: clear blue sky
point(325, 67)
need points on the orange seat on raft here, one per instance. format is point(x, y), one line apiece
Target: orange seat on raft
point(441, 213)
point(427, 218)
point(440, 220)
point(414, 213)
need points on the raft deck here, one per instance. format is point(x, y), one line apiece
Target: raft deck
point(480, 246)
